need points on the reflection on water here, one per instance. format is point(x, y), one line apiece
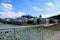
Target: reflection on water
point(24, 34)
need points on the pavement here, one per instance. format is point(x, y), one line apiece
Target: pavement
point(56, 36)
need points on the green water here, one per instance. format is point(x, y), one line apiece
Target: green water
point(27, 33)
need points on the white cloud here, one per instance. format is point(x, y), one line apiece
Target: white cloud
point(6, 6)
point(50, 14)
point(20, 14)
point(53, 9)
point(36, 9)
point(8, 11)
point(45, 15)
point(48, 9)
point(50, 4)
point(58, 12)
point(11, 14)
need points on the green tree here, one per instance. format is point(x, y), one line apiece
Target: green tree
point(51, 21)
point(58, 21)
point(30, 22)
point(40, 16)
point(38, 20)
point(28, 16)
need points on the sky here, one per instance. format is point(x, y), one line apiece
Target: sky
point(17, 8)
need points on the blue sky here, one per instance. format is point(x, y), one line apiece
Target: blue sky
point(17, 8)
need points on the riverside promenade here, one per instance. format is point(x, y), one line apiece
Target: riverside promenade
point(56, 36)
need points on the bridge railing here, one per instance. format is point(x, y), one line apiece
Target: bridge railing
point(24, 33)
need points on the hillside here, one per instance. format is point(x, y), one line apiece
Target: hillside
point(55, 17)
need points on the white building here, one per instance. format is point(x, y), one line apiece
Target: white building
point(44, 21)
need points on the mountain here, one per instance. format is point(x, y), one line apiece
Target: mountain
point(55, 17)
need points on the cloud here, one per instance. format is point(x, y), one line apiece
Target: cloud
point(36, 9)
point(50, 4)
point(45, 15)
point(20, 14)
point(11, 14)
point(48, 9)
point(8, 11)
point(55, 9)
point(50, 14)
point(58, 12)
point(6, 6)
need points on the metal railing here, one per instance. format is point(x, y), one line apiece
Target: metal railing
point(24, 33)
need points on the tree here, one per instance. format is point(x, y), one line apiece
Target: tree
point(51, 21)
point(38, 20)
point(28, 16)
point(40, 16)
point(30, 21)
point(58, 21)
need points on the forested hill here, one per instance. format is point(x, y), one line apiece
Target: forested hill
point(55, 17)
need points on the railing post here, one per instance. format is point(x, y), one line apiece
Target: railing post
point(42, 33)
point(14, 35)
